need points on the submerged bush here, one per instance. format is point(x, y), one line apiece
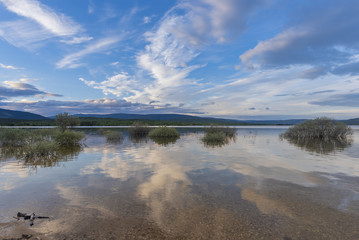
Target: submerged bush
point(138, 130)
point(228, 132)
point(164, 140)
point(164, 132)
point(319, 129)
point(69, 138)
point(113, 136)
point(14, 137)
point(215, 139)
point(40, 147)
point(218, 136)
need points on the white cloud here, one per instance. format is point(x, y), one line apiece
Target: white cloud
point(8, 66)
point(103, 105)
point(37, 23)
point(118, 85)
point(328, 39)
point(180, 37)
point(146, 19)
point(72, 60)
point(91, 7)
point(57, 24)
point(283, 91)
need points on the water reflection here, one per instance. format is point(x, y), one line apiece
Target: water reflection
point(321, 146)
point(256, 188)
point(164, 141)
point(218, 144)
point(138, 139)
point(218, 136)
point(49, 158)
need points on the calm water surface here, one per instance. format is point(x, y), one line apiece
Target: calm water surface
point(256, 187)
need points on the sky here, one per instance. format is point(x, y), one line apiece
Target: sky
point(239, 59)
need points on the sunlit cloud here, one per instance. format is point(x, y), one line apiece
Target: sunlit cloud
point(20, 89)
point(324, 42)
point(118, 85)
point(103, 105)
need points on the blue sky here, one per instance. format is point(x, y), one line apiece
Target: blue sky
point(241, 59)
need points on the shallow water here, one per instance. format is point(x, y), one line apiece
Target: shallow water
point(256, 187)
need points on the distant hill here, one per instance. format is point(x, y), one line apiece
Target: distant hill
point(10, 117)
point(276, 122)
point(10, 114)
point(162, 117)
point(354, 121)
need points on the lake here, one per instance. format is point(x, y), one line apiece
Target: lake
point(255, 187)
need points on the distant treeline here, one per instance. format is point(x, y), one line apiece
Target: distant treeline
point(90, 121)
point(114, 122)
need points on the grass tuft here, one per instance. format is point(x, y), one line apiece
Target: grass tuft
point(113, 136)
point(218, 136)
point(41, 146)
point(138, 130)
point(164, 132)
point(69, 138)
point(319, 129)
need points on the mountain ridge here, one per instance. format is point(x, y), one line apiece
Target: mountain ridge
point(12, 114)
point(22, 115)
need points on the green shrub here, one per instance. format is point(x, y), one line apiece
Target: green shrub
point(138, 130)
point(163, 132)
point(69, 138)
point(321, 129)
point(64, 121)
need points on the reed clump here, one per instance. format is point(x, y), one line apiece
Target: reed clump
point(164, 132)
point(40, 144)
point(323, 128)
point(113, 136)
point(139, 130)
point(14, 137)
point(218, 136)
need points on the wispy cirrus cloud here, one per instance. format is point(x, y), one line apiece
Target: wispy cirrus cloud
point(38, 22)
point(180, 37)
point(347, 100)
point(56, 23)
point(76, 40)
point(73, 60)
point(22, 33)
